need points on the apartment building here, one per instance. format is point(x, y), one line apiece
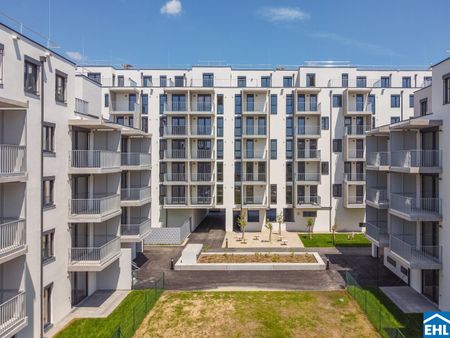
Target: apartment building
point(406, 175)
point(263, 141)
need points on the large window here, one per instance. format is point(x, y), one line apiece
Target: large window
point(144, 108)
point(385, 82)
point(265, 81)
point(325, 168)
point(273, 104)
point(423, 107)
point(273, 149)
point(289, 104)
point(208, 80)
point(31, 77)
point(220, 149)
point(289, 127)
point(253, 216)
point(179, 81)
point(310, 80)
point(146, 81)
point(395, 101)
point(337, 101)
point(273, 194)
point(219, 171)
point(48, 142)
point(163, 81)
point(237, 149)
point(361, 82)
point(288, 195)
point(219, 194)
point(411, 101)
point(48, 185)
point(325, 123)
point(220, 127)
point(344, 80)
point(238, 104)
point(238, 127)
point(337, 190)
point(447, 89)
point(337, 145)
point(287, 81)
point(162, 103)
point(219, 104)
point(60, 87)
point(406, 82)
point(106, 100)
point(48, 251)
point(97, 77)
point(289, 149)
point(242, 81)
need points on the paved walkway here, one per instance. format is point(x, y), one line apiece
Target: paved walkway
point(256, 240)
point(408, 300)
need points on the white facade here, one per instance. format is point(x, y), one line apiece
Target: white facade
point(406, 210)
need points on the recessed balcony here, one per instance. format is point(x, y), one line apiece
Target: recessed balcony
point(94, 162)
point(136, 230)
point(254, 155)
point(200, 131)
point(254, 178)
point(201, 200)
point(308, 131)
point(175, 177)
point(94, 210)
point(175, 201)
point(131, 109)
point(255, 200)
point(202, 154)
point(378, 161)
point(308, 155)
point(376, 232)
point(308, 108)
point(176, 131)
point(135, 196)
point(175, 154)
point(416, 256)
point(356, 108)
point(12, 163)
point(412, 208)
point(12, 239)
point(308, 178)
point(308, 201)
point(352, 201)
point(355, 178)
point(13, 316)
point(377, 198)
point(254, 132)
point(356, 130)
point(201, 177)
point(175, 108)
point(354, 154)
point(135, 161)
point(416, 161)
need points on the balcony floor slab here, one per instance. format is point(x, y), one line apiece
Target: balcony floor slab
point(408, 300)
point(93, 266)
point(91, 218)
point(14, 253)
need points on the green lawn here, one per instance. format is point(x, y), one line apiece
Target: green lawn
point(326, 240)
point(128, 315)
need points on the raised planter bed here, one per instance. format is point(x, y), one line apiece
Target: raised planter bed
point(256, 258)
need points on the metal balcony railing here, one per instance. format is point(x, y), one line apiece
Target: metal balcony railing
point(254, 177)
point(249, 154)
point(354, 107)
point(255, 107)
point(176, 130)
point(132, 108)
point(201, 200)
point(353, 153)
point(94, 206)
point(201, 154)
point(308, 130)
point(135, 194)
point(315, 200)
point(201, 177)
point(355, 199)
point(377, 159)
point(377, 196)
point(81, 106)
point(308, 107)
point(95, 255)
point(12, 160)
point(136, 227)
point(416, 206)
point(135, 159)
point(175, 200)
point(305, 177)
point(175, 107)
point(12, 235)
point(202, 130)
point(251, 200)
point(175, 177)
point(175, 154)
point(308, 154)
point(416, 158)
point(417, 256)
point(98, 159)
point(356, 129)
point(202, 107)
point(248, 131)
point(12, 311)
point(377, 230)
point(354, 177)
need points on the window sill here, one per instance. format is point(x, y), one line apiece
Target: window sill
point(48, 260)
point(34, 95)
point(49, 153)
point(49, 207)
point(61, 103)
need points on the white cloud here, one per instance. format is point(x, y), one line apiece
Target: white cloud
point(172, 7)
point(283, 14)
point(77, 56)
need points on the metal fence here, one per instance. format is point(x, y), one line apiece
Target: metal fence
point(169, 235)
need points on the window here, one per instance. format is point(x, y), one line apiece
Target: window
point(208, 80)
point(163, 81)
point(237, 171)
point(48, 143)
point(288, 196)
point(146, 81)
point(238, 127)
point(337, 101)
point(273, 149)
point(31, 77)
point(361, 82)
point(97, 77)
point(309, 213)
point(219, 194)
point(179, 81)
point(144, 124)
point(242, 81)
point(273, 104)
point(391, 261)
point(289, 104)
point(406, 82)
point(395, 119)
point(337, 190)
point(447, 89)
point(48, 245)
point(411, 101)
point(106, 100)
point(265, 81)
point(120, 81)
point(385, 82)
point(238, 104)
point(144, 99)
point(237, 194)
point(48, 184)
point(289, 215)
point(373, 122)
point(395, 101)
point(310, 80)
point(219, 171)
point(47, 306)
point(344, 80)
point(220, 149)
point(271, 214)
point(289, 145)
point(220, 104)
point(325, 168)
point(287, 81)
point(220, 126)
point(337, 145)
point(2, 54)
point(253, 216)
point(273, 194)
point(60, 87)
point(162, 103)
point(237, 149)
point(423, 107)
point(371, 102)
point(325, 123)
point(289, 127)
point(427, 81)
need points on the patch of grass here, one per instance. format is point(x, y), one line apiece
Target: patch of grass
point(256, 314)
point(128, 315)
point(326, 240)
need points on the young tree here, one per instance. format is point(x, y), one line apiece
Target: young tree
point(310, 224)
point(334, 229)
point(242, 223)
point(280, 219)
point(269, 226)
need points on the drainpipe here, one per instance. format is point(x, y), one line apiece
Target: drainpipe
point(331, 161)
point(42, 60)
point(401, 105)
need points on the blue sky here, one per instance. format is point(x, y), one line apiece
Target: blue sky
point(164, 33)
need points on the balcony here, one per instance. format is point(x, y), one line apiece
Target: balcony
point(136, 161)
point(309, 201)
point(12, 239)
point(176, 108)
point(255, 200)
point(308, 154)
point(199, 131)
point(413, 208)
point(202, 154)
point(416, 161)
point(136, 230)
point(378, 161)
point(355, 178)
point(201, 177)
point(94, 162)
point(417, 257)
point(254, 155)
point(180, 201)
point(134, 108)
point(376, 232)
point(202, 108)
point(356, 130)
point(13, 316)
point(175, 177)
point(353, 154)
point(254, 109)
point(254, 132)
point(354, 201)
point(135, 197)
point(201, 200)
point(12, 163)
point(94, 210)
point(173, 131)
point(175, 154)
point(308, 178)
point(308, 131)
point(377, 198)
point(354, 108)
point(254, 178)
point(95, 258)
point(308, 108)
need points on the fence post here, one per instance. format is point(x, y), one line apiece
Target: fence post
point(134, 319)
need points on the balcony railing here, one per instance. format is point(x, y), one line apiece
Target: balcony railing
point(201, 177)
point(175, 154)
point(306, 177)
point(94, 206)
point(251, 200)
point(176, 130)
point(94, 159)
point(308, 130)
point(377, 230)
point(353, 153)
point(135, 194)
point(255, 131)
point(175, 200)
point(202, 130)
point(175, 107)
point(248, 108)
point(201, 153)
point(308, 154)
point(377, 159)
point(12, 311)
point(416, 158)
point(416, 206)
point(314, 200)
point(12, 160)
point(417, 256)
point(136, 227)
point(355, 177)
point(81, 106)
point(254, 177)
point(95, 255)
point(359, 108)
point(12, 236)
point(174, 177)
point(258, 155)
point(355, 199)
point(377, 196)
point(356, 129)
point(308, 107)
point(135, 159)
point(201, 200)
point(133, 108)
point(202, 107)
